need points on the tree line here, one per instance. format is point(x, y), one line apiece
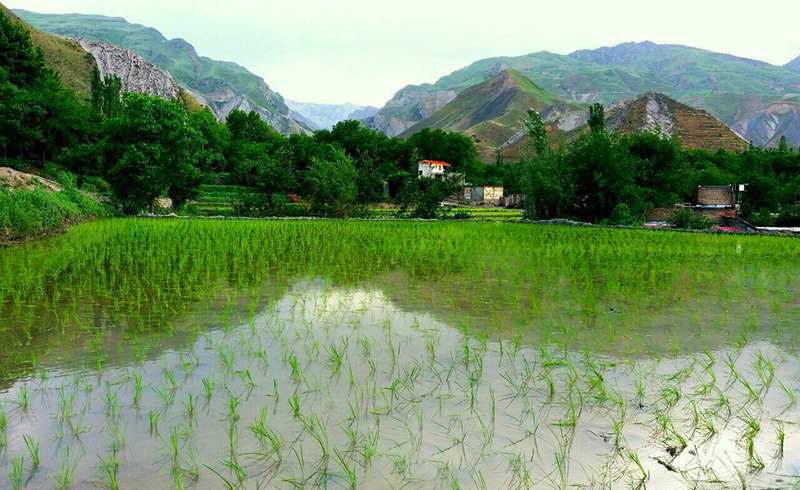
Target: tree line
point(601, 177)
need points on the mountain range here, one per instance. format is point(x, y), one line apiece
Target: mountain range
point(761, 102)
point(325, 116)
point(486, 100)
point(491, 112)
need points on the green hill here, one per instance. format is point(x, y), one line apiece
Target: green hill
point(491, 112)
point(72, 63)
point(225, 85)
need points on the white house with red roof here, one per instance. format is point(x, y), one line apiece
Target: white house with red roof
point(430, 168)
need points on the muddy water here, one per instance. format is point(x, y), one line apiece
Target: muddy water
point(347, 380)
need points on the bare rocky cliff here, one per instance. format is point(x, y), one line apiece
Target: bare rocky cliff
point(136, 74)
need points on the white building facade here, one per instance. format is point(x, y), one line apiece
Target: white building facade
point(431, 169)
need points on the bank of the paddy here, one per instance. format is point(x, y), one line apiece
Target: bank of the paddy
point(33, 209)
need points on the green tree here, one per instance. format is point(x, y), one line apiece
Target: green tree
point(216, 139)
point(19, 57)
point(248, 126)
point(603, 176)
point(537, 132)
point(454, 148)
point(150, 150)
point(597, 118)
point(274, 175)
point(548, 186)
point(783, 146)
point(332, 185)
point(251, 141)
point(38, 117)
point(106, 94)
point(422, 197)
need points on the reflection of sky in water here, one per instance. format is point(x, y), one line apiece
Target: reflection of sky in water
point(417, 382)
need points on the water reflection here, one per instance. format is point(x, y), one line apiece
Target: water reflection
point(322, 385)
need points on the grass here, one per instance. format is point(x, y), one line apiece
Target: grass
point(38, 212)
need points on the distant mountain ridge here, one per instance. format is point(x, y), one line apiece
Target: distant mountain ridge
point(225, 86)
point(325, 116)
point(794, 65)
point(760, 101)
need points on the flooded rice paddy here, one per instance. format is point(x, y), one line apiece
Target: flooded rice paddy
point(205, 354)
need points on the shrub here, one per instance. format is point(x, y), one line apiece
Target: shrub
point(461, 214)
point(789, 216)
point(423, 197)
point(686, 219)
point(36, 212)
point(622, 215)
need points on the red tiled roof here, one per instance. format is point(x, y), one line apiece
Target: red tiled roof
point(432, 162)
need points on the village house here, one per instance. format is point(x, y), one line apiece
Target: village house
point(488, 194)
point(431, 169)
point(719, 203)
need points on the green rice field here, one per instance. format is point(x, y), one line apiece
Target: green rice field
point(154, 353)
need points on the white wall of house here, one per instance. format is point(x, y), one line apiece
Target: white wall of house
point(427, 169)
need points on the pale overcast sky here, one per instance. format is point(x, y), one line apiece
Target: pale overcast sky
point(363, 51)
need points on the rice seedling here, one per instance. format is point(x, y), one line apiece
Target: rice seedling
point(190, 406)
point(349, 471)
point(153, 417)
point(3, 427)
point(137, 387)
point(780, 433)
point(270, 441)
point(23, 398)
point(208, 388)
point(790, 394)
point(17, 469)
point(69, 464)
point(33, 451)
point(109, 468)
point(233, 405)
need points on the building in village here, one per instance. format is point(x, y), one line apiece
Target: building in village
point(486, 194)
point(489, 194)
point(431, 169)
point(719, 203)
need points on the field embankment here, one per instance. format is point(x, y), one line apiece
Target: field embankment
point(31, 206)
